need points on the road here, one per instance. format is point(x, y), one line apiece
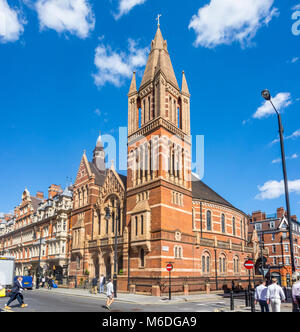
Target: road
point(53, 302)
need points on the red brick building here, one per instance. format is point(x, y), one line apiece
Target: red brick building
point(161, 212)
point(273, 234)
point(37, 234)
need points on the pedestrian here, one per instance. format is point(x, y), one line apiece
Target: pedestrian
point(261, 296)
point(50, 283)
point(16, 294)
point(109, 294)
point(94, 285)
point(296, 291)
point(43, 281)
point(275, 296)
point(101, 284)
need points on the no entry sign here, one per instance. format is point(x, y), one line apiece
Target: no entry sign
point(249, 265)
point(169, 267)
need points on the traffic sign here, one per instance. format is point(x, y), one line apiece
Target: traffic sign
point(169, 267)
point(249, 265)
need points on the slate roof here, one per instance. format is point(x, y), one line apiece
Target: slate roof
point(35, 202)
point(101, 176)
point(201, 191)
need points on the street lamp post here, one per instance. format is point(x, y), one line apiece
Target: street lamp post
point(267, 96)
point(115, 221)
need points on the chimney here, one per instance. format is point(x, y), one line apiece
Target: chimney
point(280, 212)
point(54, 190)
point(40, 195)
point(258, 216)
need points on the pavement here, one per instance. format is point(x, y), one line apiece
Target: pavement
point(137, 298)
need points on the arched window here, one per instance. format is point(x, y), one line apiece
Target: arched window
point(222, 264)
point(233, 226)
point(236, 264)
point(241, 228)
point(205, 262)
point(223, 223)
point(208, 220)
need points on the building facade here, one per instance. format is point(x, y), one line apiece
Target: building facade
point(160, 213)
point(37, 234)
point(273, 234)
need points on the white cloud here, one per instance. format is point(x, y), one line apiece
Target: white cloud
point(125, 6)
point(297, 7)
point(276, 161)
point(294, 135)
point(114, 67)
point(11, 23)
point(295, 59)
point(74, 16)
point(281, 101)
point(274, 189)
point(228, 21)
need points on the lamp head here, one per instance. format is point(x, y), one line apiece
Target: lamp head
point(266, 95)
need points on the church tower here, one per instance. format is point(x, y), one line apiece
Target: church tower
point(159, 191)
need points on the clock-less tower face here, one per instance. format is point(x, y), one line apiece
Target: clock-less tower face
point(159, 196)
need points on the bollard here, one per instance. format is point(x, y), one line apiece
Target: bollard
point(231, 301)
point(252, 301)
point(246, 299)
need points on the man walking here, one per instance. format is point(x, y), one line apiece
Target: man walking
point(43, 281)
point(50, 283)
point(275, 295)
point(16, 294)
point(296, 291)
point(101, 284)
point(261, 296)
point(109, 294)
point(94, 285)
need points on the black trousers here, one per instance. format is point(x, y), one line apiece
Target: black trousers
point(16, 296)
point(264, 306)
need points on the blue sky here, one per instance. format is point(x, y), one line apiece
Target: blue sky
point(65, 70)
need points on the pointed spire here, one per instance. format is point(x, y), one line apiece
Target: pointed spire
point(99, 144)
point(133, 88)
point(159, 50)
point(99, 155)
point(184, 87)
point(158, 42)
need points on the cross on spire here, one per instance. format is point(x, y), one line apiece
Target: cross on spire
point(157, 19)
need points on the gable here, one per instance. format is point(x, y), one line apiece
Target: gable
point(83, 171)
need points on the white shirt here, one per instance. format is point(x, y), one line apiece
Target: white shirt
point(261, 293)
point(101, 280)
point(296, 290)
point(109, 289)
point(275, 292)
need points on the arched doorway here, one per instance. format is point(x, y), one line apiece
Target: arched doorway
point(107, 262)
point(277, 276)
point(96, 266)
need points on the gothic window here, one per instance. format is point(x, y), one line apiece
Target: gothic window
point(241, 228)
point(206, 263)
point(223, 223)
point(222, 263)
point(233, 226)
point(236, 264)
point(208, 220)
